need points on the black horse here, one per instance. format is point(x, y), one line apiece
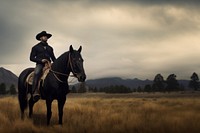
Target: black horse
point(55, 85)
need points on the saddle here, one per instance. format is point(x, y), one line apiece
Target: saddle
point(45, 71)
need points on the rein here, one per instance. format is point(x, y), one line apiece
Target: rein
point(66, 75)
point(63, 74)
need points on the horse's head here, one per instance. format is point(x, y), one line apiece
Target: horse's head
point(76, 63)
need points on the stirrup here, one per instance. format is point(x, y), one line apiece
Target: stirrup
point(36, 97)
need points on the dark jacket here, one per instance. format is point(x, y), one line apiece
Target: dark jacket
point(42, 51)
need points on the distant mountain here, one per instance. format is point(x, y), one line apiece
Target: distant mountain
point(104, 82)
point(131, 83)
point(8, 77)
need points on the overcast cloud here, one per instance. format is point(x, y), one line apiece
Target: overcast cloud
point(129, 38)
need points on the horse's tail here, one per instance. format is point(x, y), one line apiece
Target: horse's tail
point(23, 90)
point(22, 97)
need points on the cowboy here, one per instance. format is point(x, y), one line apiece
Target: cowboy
point(41, 53)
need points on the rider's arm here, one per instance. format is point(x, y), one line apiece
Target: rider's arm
point(53, 58)
point(33, 56)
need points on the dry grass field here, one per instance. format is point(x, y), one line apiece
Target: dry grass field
point(106, 113)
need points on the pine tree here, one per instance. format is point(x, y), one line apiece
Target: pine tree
point(13, 90)
point(194, 83)
point(172, 83)
point(158, 83)
point(73, 89)
point(2, 89)
point(82, 88)
point(147, 88)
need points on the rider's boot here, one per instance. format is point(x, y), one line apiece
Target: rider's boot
point(36, 95)
point(35, 90)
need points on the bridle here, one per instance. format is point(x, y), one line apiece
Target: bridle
point(72, 68)
point(69, 63)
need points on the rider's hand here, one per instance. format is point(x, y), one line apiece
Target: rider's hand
point(44, 60)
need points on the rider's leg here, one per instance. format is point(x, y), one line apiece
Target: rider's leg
point(37, 75)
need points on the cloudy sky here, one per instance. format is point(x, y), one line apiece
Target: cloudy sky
point(124, 38)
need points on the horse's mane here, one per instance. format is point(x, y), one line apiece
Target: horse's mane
point(60, 64)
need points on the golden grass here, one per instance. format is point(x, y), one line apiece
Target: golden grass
point(103, 114)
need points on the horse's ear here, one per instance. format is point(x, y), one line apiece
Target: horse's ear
point(71, 48)
point(80, 48)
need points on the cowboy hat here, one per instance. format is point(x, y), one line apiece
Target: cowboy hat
point(43, 33)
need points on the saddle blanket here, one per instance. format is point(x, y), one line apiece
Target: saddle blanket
point(29, 78)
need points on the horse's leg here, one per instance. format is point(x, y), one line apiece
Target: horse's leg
point(31, 104)
point(23, 103)
point(22, 114)
point(61, 103)
point(49, 113)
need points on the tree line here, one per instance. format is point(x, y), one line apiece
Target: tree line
point(171, 84)
point(11, 90)
point(159, 85)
